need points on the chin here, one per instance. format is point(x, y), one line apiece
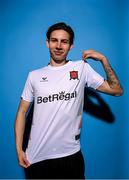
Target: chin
point(59, 61)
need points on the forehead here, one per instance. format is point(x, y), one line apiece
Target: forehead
point(60, 34)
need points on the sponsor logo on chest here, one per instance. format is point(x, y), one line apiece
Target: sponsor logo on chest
point(57, 97)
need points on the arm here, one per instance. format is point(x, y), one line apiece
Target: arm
point(19, 131)
point(111, 85)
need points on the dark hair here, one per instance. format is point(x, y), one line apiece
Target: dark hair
point(61, 26)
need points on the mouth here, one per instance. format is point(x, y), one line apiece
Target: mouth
point(58, 53)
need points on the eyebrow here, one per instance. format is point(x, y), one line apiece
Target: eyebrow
point(53, 38)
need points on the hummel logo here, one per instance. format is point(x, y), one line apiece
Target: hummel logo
point(44, 79)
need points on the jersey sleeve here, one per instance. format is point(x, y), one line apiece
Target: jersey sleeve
point(92, 78)
point(28, 93)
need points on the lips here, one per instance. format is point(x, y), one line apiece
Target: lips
point(58, 53)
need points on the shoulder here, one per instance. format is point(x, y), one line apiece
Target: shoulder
point(77, 62)
point(37, 71)
point(81, 63)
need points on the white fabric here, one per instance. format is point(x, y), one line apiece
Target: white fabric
point(58, 106)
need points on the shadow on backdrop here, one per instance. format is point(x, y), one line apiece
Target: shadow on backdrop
point(93, 104)
point(96, 106)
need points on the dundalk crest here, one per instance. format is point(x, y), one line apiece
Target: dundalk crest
point(74, 75)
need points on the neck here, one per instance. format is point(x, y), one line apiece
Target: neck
point(58, 63)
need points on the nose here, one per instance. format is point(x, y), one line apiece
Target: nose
point(58, 45)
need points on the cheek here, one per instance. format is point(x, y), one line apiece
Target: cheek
point(51, 45)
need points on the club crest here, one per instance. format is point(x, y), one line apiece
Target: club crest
point(74, 75)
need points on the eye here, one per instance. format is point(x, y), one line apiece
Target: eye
point(53, 40)
point(65, 41)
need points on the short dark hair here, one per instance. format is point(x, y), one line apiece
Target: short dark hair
point(61, 26)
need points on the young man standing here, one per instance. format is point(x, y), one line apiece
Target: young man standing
point(58, 92)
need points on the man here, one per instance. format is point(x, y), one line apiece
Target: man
point(58, 91)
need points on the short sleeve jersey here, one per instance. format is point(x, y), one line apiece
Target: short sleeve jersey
point(58, 94)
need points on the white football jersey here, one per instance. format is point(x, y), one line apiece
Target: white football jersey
point(58, 94)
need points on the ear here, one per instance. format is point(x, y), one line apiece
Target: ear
point(47, 43)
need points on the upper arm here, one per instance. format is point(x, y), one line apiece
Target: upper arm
point(23, 106)
point(20, 117)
